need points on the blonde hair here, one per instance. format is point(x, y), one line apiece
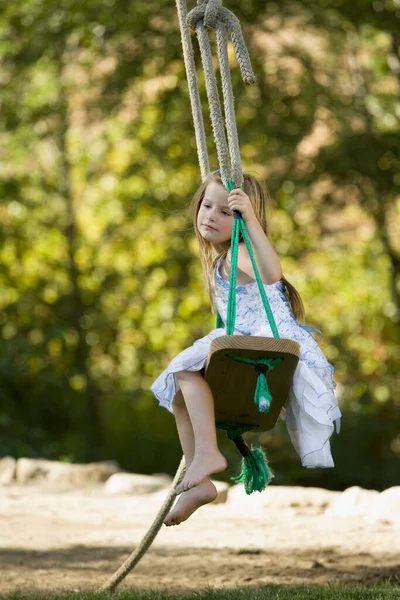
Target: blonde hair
point(208, 255)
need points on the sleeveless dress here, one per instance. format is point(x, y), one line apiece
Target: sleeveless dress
point(311, 408)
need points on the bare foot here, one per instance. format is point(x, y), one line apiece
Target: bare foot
point(203, 493)
point(203, 465)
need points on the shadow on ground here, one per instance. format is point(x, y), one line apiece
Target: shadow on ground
point(87, 568)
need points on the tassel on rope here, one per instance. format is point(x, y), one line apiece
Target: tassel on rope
point(256, 473)
point(262, 396)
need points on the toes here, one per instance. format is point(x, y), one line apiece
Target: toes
point(170, 521)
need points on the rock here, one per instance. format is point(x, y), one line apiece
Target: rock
point(32, 470)
point(167, 478)
point(281, 497)
point(386, 507)
point(136, 484)
point(353, 502)
point(7, 469)
point(239, 501)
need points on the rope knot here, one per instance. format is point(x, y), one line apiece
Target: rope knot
point(207, 11)
point(261, 368)
point(213, 15)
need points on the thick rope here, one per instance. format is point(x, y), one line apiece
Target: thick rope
point(214, 103)
point(148, 539)
point(229, 109)
point(194, 95)
point(211, 14)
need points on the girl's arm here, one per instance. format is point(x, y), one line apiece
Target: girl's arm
point(265, 256)
point(267, 260)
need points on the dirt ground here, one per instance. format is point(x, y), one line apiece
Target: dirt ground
point(70, 539)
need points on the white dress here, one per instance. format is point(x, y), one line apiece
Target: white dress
point(311, 408)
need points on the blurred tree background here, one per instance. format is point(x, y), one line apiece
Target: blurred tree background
point(101, 285)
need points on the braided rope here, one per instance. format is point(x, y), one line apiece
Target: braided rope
point(211, 14)
point(214, 104)
point(194, 94)
point(149, 537)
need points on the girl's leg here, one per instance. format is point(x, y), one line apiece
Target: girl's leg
point(205, 492)
point(184, 427)
point(200, 406)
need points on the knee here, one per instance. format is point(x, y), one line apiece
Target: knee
point(188, 375)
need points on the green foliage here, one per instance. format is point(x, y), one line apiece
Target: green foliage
point(100, 283)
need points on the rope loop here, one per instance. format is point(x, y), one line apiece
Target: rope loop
point(213, 15)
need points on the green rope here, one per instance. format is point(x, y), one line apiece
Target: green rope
point(255, 474)
point(239, 226)
point(235, 431)
point(262, 396)
point(220, 323)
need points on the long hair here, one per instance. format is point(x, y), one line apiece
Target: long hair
point(209, 256)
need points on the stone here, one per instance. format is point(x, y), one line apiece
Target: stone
point(240, 502)
point(167, 478)
point(300, 498)
point(352, 502)
point(136, 484)
point(386, 507)
point(281, 497)
point(38, 471)
point(8, 467)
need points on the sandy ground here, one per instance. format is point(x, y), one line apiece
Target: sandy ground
point(75, 539)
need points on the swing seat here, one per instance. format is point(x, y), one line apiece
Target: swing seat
point(233, 383)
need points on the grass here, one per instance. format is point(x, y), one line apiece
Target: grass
point(334, 592)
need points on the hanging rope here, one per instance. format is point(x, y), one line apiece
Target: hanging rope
point(150, 536)
point(212, 15)
point(194, 94)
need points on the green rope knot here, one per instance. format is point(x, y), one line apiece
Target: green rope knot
point(235, 431)
point(256, 473)
point(262, 396)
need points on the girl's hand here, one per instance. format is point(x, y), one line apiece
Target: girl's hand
point(239, 200)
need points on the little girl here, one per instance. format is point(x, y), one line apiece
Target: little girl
point(311, 407)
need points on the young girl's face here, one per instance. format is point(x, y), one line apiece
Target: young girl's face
point(214, 219)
